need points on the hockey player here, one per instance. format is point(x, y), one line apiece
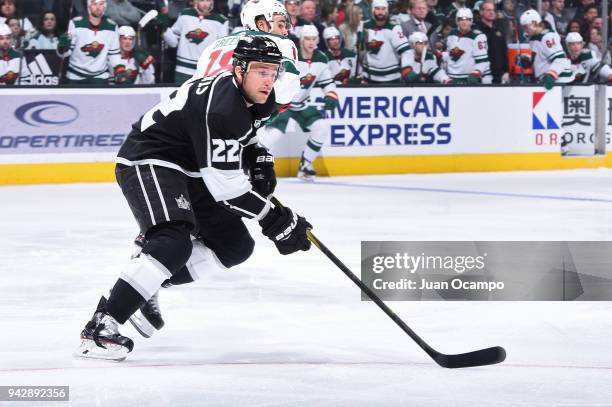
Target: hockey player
point(10, 60)
point(342, 62)
point(550, 63)
point(262, 17)
point(467, 56)
point(586, 66)
point(93, 46)
point(195, 29)
point(181, 171)
point(138, 63)
point(423, 64)
point(314, 71)
point(385, 58)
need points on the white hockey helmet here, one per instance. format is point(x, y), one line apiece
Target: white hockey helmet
point(266, 8)
point(90, 2)
point(380, 3)
point(417, 36)
point(573, 37)
point(464, 13)
point(126, 31)
point(5, 30)
point(309, 30)
point(530, 17)
point(331, 32)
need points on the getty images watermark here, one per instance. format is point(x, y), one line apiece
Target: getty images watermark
point(564, 271)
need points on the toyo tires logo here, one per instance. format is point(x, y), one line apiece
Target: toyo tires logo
point(46, 112)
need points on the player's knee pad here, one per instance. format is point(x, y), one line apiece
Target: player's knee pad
point(169, 244)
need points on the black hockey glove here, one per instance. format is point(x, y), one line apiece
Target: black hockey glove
point(261, 169)
point(286, 229)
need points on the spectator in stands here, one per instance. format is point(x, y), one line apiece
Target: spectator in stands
point(308, 15)
point(18, 35)
point(8, 9)
point(402, 12)
point(590, 14)
point(451, 10)
point(10, 60)
point(196, 28)
point(579, 11)
point(386, 57)
point(496, 41)
point(350, 27)
point(138, 63)
point(577, 25)
point(546, 16)
point(123, 13)
point(366, 9)
point(416, 22)
point(293, 9)
point(46, 36)
point(92, 43)
point(434, 14)
point(329, 13)
point(597, 23)
point(562, 17)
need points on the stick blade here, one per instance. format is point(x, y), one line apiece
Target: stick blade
point(482, 357)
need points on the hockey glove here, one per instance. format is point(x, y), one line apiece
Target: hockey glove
point(409, 76)
point(163, 21)
point(63, 43)
point(331, 101)
point(548, 80)
point(286, 229)
point(474, 78)
point(143, 58)
point(121, 75)
point(523, 60)
point(261, 169)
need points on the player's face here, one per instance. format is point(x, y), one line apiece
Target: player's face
point(380, 13)
point(334, 43)
point(530, 29)
point(49, 22)
point(203, 6)
point(126, 43)
point(419, 47)
point(465, 24)
point(258, 81)
point(309, 44)
point(5, 42)
point(279, 25)
point(97, 9)
point(8, 9)
point(574, 48)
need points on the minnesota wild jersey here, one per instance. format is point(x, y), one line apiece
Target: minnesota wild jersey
point(313, 72)
point(588, 68)
point(135, 74)
point(549, 57)
point(192, 34)
point(217, 57)
point(342, 66)
point(426, 67)
point(468, 53)
point(9, 68)
point(93, 49)
point(385, 55)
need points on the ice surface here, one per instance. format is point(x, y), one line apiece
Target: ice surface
point(291, 330)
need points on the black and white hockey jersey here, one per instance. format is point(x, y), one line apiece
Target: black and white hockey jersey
point(201, 130)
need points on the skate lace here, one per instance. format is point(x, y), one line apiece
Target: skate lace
point(107, 326)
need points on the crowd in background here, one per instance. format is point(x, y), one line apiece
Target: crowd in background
point(148, 54)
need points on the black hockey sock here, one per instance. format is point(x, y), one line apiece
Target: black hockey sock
point(124, 300)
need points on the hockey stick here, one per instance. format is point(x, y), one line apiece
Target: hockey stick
point(481, 357)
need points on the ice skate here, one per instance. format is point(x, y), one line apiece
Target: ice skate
point(148, 318)
point(101, 338)
point(306, 171)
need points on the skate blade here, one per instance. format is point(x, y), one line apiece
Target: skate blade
point(140, 323)
point(88, 349)
point(306, 178)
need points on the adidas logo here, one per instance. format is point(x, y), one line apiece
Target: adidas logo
point(41, 73)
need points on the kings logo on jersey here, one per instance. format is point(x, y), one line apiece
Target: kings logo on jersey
point(92, 49)
point(456, 53)
point(307, 80)
point(196, 36)
point(374, 46)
